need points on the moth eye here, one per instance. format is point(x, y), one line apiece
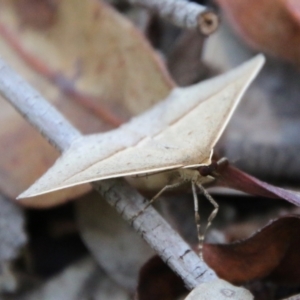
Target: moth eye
point(204, 170)
point(213, 166)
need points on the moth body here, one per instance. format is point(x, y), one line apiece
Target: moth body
point(153, 183)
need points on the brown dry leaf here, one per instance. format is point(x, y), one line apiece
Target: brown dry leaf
point(179, 132)
point(232, 177)
point(157, 281)
point(293, 6)
point(113, 243)
point(271, 26)
point(70, 51)
point(272, 253)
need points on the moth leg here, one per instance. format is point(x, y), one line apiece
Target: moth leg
point(211, 216)
point(197, 221)
point(167, 187)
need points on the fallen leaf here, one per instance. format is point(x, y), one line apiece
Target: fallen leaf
point(175, 133)
point(35, 13)
point(271, 255)
point(294, 9)
point(69, 59)
point(157, 281)
point(114, 244)
point(239, 180)
point(267, 25)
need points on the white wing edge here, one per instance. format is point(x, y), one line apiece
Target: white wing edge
point(260, 60)
point(24, 194)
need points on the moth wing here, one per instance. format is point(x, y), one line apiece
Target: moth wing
point(78, 166)
point(179, 132)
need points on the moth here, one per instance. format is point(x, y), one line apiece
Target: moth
point(169, 142)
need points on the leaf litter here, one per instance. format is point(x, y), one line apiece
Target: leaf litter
point(129, 114)
point(52, 59)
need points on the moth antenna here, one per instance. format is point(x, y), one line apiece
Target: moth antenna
point(165, 188)
point(197, 221)
point(222, 161)
point(211, 216)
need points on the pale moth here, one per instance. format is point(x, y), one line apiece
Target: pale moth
point(171, 139)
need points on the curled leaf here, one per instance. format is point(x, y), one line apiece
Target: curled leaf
point(157, 281)
point(239, 180)
point(267, 25)
point(272, 253)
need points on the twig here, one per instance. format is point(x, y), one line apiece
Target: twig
point(33, 107)
point(183, 14)
point(153, 228)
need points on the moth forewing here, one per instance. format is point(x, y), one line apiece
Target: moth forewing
point(179, 132)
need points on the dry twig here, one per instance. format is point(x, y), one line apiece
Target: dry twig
point(183, 14)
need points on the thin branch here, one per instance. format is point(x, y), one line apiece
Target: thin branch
point(35, 109)
point(183, 14)
point(153, 228)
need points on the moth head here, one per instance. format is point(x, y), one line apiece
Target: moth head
point(214, 168)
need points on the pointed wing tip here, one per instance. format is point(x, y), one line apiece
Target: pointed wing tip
point(258, 61)
point(253, 67)
point(34, 191)
point(28, 194)
point(261, 59)
point(260, 56)
point(254, 64)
